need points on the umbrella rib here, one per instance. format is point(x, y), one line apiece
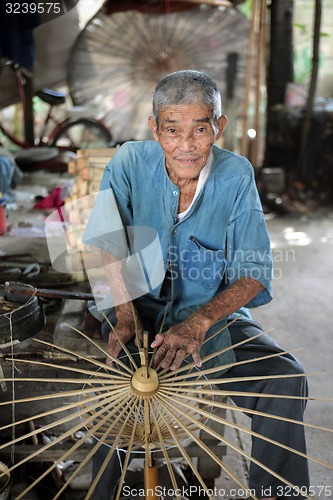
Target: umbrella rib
point(129, 449)
point(217, 392)
point(53, 424)
point(248, 431)
point(61, 459)
point(55, 441)
point(110, 452)
point(64, 368)
point(130, 357)
point(234, 447)
point(131, 400)
point(56, 410)
point(104, 351)
point(209, 371)
point(56, 395)
point(166, 406)
point(85, 358)
point(208, 357)
point(164, 451)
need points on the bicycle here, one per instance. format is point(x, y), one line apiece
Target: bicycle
point(67, 134)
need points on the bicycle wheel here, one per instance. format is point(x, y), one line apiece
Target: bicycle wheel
point(82, 133)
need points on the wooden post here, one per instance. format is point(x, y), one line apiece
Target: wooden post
point(29, 133)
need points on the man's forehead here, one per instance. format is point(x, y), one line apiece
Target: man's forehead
point(186, 112)
point(204, 119)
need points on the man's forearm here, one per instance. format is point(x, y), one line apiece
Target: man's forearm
point(113, 267)
point(228, 301)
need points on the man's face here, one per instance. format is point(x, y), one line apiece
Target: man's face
point(186, 135)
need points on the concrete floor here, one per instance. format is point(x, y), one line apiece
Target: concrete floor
point(300, 317)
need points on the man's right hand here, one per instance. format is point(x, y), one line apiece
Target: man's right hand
point(125, 329)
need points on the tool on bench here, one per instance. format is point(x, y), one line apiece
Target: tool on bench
point(14, 287)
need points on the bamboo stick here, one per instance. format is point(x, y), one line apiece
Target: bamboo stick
point(167, 373)
point(104, 376)
point(218, 419)
point(69, 452)
point(203, 446)
point(236, 448)
point(227, 406)
point(107, 458)
point(84, 358)
point(209, 371)
point(55, 395)
point(166, 456)
point(56, 410)
point(54, 465)
point(91, 453)
point(128, 454)
point(52, 443)
point(104, 351)
point(130, 357)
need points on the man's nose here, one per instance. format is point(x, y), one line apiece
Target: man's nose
point(187, 142)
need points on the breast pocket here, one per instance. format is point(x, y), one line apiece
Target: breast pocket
point(202, 265)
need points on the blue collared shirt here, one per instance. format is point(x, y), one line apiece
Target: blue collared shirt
point(221, 239)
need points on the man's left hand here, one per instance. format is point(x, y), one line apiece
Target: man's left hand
point(180, 341)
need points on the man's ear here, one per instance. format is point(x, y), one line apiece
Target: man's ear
point(221, 123)
point(153, 127)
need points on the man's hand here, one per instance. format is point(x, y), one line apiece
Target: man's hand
point(125, 329)
point(180, 341)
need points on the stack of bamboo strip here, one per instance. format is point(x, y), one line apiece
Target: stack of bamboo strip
point(88, 167)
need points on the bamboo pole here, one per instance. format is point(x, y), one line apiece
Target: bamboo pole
point(248, 78)
point(259, 78)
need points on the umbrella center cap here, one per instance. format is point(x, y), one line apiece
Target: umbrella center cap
point(144, 385)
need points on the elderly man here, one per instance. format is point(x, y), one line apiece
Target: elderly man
point(202, 202)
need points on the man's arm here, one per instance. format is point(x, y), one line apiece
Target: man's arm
point(127, 318)
point(187, 337)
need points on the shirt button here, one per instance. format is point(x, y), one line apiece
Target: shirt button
point(175, 193)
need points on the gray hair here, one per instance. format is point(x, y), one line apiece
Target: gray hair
point(187, 87)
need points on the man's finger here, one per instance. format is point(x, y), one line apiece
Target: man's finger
point(197, 359)
point(159, 339)
point(179, 358)
point(159, 355)
point(168, 359)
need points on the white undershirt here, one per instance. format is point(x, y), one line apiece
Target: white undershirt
point(203, 176)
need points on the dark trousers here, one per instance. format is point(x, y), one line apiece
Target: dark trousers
point(285, 463)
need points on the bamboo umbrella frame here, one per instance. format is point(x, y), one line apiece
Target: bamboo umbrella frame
point(130, 406)
point(119, 58)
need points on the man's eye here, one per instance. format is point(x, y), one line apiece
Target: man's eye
point(171, 130)
point(201, 130)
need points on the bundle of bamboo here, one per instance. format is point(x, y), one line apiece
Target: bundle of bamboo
point(88, 168)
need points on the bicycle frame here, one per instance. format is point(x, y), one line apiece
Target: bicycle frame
point(38, 141)
point(48, 136)
point(20, 75)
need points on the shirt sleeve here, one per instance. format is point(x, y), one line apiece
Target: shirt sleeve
point(248, 245)
point(111, 212)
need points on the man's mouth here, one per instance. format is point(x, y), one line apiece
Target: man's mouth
point(188, 161)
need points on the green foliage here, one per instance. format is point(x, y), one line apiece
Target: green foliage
point(302, 65)
point(303, 54)
point(246, 8)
